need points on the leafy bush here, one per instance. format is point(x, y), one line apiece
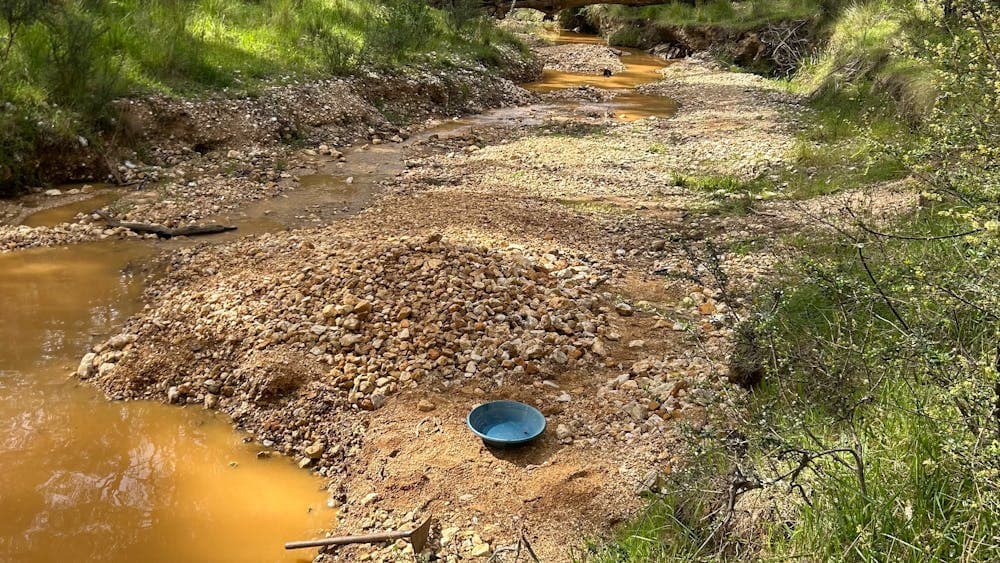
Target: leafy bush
point(398, 29)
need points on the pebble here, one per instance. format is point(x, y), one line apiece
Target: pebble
point(623, 309)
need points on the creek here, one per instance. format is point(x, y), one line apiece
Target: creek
point(89, 479)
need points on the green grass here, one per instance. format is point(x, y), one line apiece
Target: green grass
point(661, 533)
point(728, 194)
point(916, 395)
point(601, 207)
point(872, 43)
point(71, 58)
point(842, 144)
point(883, 347)
point(841, 373)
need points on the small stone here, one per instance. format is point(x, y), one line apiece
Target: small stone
point(637, 412)
point(563, 432)
point(349, 340)
point(211, 401)
point(425, 406)
point(362, 308)
point(479, 550)
point(315, 450)
point(305, 462)
point(448, 536)
point(637, 344)
point(86, 368)
point(623, 309)
point(173, 395)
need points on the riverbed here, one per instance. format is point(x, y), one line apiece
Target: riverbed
point(93, 479)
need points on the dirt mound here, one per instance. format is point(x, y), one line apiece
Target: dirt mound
point(586, 59)
point(358, 322)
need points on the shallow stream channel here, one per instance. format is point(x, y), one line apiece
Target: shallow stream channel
point(83, 478)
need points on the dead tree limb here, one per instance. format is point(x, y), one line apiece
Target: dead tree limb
point(164, 231)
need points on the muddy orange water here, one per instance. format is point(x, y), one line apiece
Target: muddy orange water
point(628, 105)
point(65, 213)
point(85, 479)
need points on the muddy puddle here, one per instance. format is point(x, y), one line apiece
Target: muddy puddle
point(628, 105)
point(67, 212)
point(92, 480)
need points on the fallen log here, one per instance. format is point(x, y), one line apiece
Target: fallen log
point(163, 231)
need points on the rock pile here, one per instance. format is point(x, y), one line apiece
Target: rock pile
point(20, 237)
point(586, 59)
point(253, 326)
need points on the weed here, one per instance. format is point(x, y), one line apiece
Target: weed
point(589, 206)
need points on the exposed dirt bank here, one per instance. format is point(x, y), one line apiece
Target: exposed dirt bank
point(556, 260)
point(183, 160)
point(775, 48)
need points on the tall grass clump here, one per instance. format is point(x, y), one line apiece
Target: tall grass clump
point(879, 43)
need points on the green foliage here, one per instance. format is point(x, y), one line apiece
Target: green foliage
point(873, 43)
point(15, 15)
point(722, 13)
point(462, 13)
point(397, 29)
point(885, 342)
point(961, 150)
point(62, 61)
point(887, 346)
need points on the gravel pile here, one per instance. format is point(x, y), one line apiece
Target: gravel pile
point(21, 237)
point(260, 323)
point(584, 59)
point(582, 93)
